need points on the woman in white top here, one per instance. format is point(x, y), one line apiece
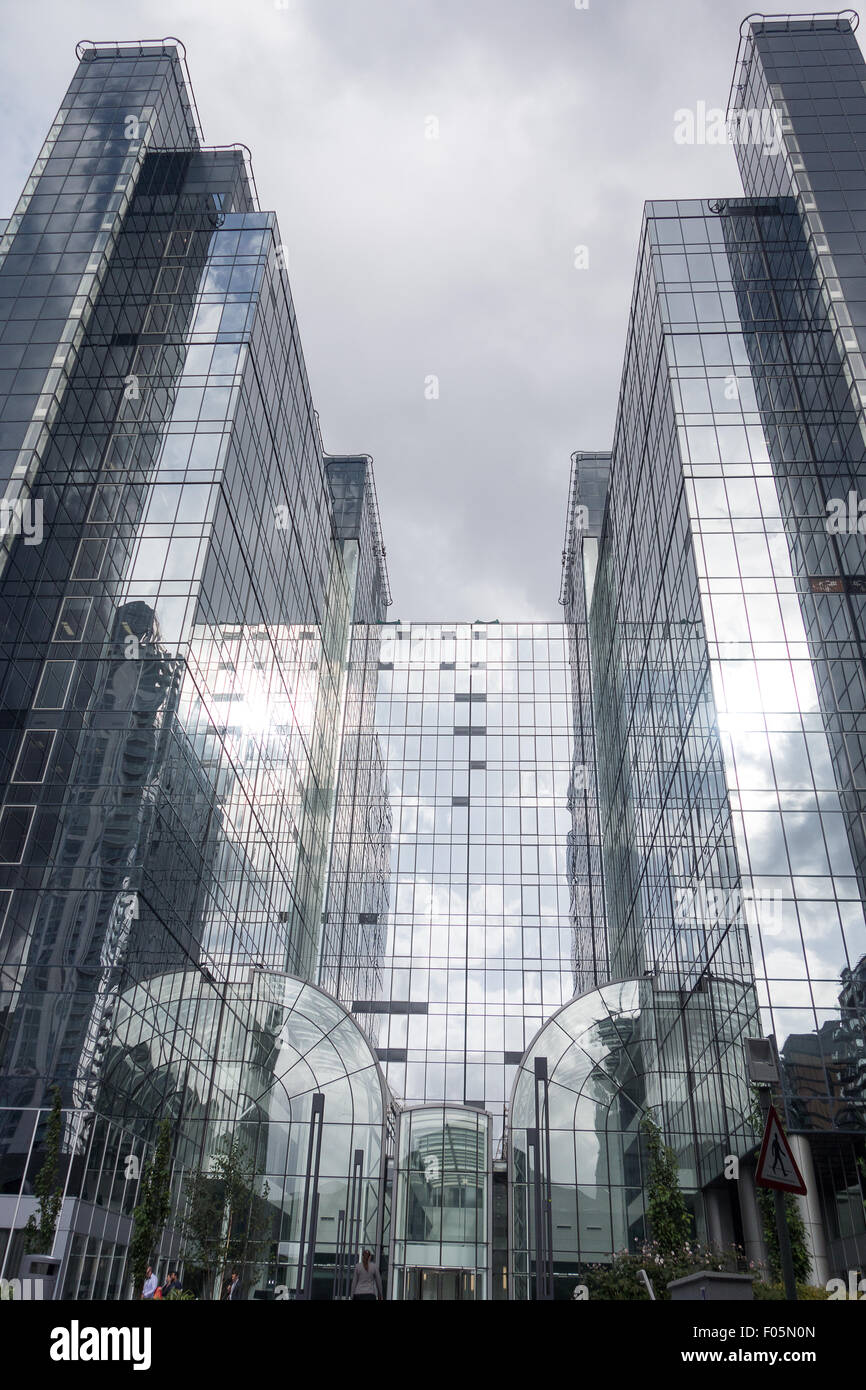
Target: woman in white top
point(366, 1281)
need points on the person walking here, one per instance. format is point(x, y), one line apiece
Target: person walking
point(151, 1284)
point(367, 1281)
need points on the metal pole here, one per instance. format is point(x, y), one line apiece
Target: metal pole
point(314, 1216)
point(548, 1193)
point(354, 1237)
point(340, 1257)
point(534, 1149)
point(311, 1247)
point(544, 1205)
point(317, 1110)
point(786, 1258)
point(783, 1235)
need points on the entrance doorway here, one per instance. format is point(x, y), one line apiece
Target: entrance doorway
point(439, 1285)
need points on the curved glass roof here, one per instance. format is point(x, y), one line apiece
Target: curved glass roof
point(599, 1048)
point(277, 1042)
point(601, 1063)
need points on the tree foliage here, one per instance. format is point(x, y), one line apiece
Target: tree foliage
point(152, 1211)
point(39, 1235)
point(796, 1228)
point(226, 1222)
point(620, 1281)
point(669, 1220)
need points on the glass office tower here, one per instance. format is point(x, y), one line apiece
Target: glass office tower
point(725, 638)
point(182, 569)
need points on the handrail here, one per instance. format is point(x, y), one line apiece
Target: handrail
point(799, 18)
point(248, 165)
point(169, 44)
point(851, 17)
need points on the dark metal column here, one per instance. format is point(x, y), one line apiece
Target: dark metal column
point(307, 1250)
point(539, 1144)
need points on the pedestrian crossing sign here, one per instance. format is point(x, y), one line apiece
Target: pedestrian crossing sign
point(776, 1165)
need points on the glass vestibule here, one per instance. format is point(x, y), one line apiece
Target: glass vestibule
point(441, 1216)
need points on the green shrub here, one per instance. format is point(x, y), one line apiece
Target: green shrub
point(796, 1229)
point(620, 1281)
point(775, 1293)
point(669, 1221)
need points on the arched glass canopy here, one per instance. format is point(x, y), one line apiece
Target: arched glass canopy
point(584, 1084)
point(598, 1055)
point(280, 1065)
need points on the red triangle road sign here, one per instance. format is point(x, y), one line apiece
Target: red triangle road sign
point(776, 1166)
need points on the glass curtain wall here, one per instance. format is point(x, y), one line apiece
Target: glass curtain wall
point(475, 728)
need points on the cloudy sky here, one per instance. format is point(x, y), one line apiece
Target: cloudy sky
point(413, 257)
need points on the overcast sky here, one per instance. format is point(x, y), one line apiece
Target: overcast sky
point(412, 257)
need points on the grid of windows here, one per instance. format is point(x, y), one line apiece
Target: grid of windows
point(725, 676)
point(586, 503)
point(353, 929)
point(223, 769)
point(475, 724)
point(174, 649)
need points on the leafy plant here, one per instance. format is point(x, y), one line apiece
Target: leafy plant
point(152, 1211)
point(226, 1221)
point(669, 1220)
point(620, 1280)
point(806, 1293)
point(39, 1235)
point(796, 1227)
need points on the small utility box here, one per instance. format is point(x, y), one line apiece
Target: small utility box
point(38, 1275)
point(711, 1286)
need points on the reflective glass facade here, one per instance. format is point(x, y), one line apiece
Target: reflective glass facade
point(475, 726)
point(272, 1062)
point(725, 637)
point(601, 1077)
point(586, 503)
point(174, 650)
point(177, 638)
point(353, 933)
point(427, 913)
point(276, 1063)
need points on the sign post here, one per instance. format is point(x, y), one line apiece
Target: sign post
point(777, 1169)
